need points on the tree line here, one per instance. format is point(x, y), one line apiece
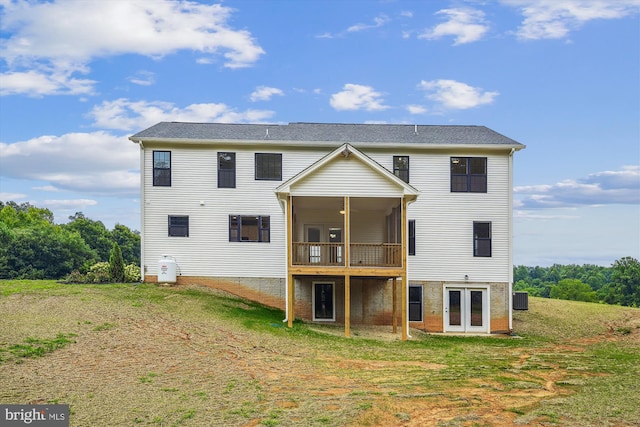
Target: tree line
point(618, 284)
point(32, 246)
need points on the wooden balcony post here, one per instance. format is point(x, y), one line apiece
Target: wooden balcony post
point(347, 306)
point(290, 287)
point(347, 232)
point(394, 299)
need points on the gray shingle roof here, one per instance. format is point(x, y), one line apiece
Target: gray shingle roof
point(327, 132)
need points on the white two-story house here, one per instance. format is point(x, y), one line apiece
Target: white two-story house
point(402, 225)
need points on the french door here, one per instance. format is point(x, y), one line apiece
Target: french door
point(466, 309)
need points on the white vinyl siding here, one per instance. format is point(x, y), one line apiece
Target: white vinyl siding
point(346, 177)
point(194, 192)
point(444, 237)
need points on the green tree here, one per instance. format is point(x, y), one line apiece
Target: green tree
point(94, 233)
point(116, 264)
point(43, 252)
point(25, 215)
point(6, 242)
point(624, 287)
point(573, 289)
point(129, 242)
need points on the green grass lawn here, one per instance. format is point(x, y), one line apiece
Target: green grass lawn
point(148, 355)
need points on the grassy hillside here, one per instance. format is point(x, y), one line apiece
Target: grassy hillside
point(148, 355)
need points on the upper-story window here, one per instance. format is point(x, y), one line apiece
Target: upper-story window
point(469, 174)
point(249, 228)
point(226, 170)
point(269, 166)
point(162, 168)
point(482, 239)
point(401, 167)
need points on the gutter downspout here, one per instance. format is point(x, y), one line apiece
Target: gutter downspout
point(142, 201)
point(510, 297)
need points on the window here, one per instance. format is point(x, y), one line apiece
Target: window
point(178, 226)
point(226, 170)
point(469, 174)
point(482, 239)
point(412, 237)
point(401, 167)
point(269, 166)
point(249, 228)
point(415, 303)
point(162, 168)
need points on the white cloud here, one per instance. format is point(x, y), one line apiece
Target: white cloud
point(264, 93)
point(93, 163)
point(67, 204)
point(123, 114)
point(357, 97)
point(49, 42)
point(465, 24)
point(325, 35)
point(456, 95)
point(39, 83)
point(416, 109)
point(142, 78)
point(378, 21)
point(48, 188)
point(600, 188)
point(11, 196)
point(553, 19)
point(526, 215)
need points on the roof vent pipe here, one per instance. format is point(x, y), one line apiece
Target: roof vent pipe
point(267, 134)
point(415, 129)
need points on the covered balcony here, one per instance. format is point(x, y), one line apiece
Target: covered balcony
point(346, 218)
point(355, 232)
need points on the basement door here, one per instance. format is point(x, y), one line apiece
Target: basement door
point(324, 296)
point(466, 309)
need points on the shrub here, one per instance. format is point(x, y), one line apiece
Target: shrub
point(131, 273)
point(116, 264)
point(99, 273)
point(75, 277)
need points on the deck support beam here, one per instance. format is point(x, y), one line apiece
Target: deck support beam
point(290, 281)
point(347, 277)
point(347, 306)
point(394, 299)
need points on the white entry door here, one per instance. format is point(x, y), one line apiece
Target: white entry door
point(466, 309)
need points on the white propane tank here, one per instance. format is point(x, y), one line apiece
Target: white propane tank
point(166, 269)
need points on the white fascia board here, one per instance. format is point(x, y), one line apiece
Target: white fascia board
point(328, 144)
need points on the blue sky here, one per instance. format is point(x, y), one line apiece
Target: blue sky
point(561, 76)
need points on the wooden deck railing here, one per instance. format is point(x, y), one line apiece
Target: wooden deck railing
point(361, 254)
